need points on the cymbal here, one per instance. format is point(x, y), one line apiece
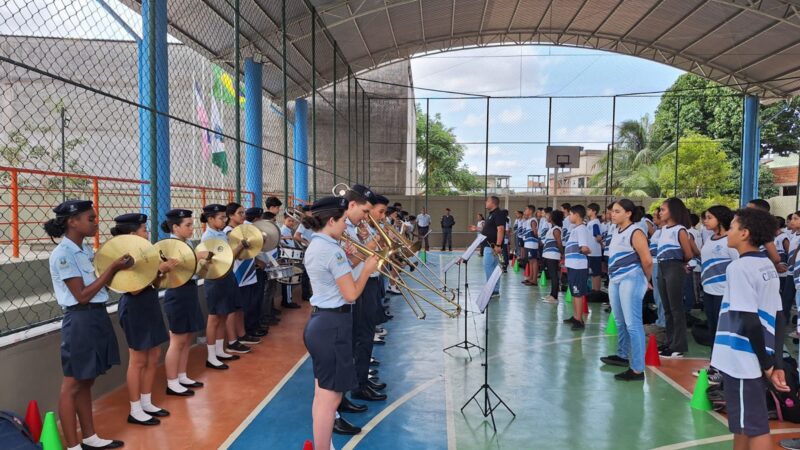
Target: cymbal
point(221, 261)
point(271, 234)
point(249, 233)
point(187, 262)
point(145, 262)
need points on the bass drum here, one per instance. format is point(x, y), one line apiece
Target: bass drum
point(297, 272)
point(295, 255)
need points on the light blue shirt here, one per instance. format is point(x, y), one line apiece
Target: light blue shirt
point(287, 232)
point(352, 231)
point(211, 233)
point(70, 261)
point(305, 233)
point(325, 263)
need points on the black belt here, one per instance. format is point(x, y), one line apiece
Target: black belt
point(341, 309)
point(86, 307)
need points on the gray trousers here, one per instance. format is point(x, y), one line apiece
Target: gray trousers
point(447, 238)
point(670, 286)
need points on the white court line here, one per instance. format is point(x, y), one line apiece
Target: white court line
point(683, 391)
point(715, 439)
point(351, 444)
point(448, 396)
point(249, 419)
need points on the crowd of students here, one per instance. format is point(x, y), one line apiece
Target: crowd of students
point(739, 266)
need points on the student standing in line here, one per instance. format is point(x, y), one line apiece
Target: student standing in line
point(88, 343)
point(577, 264)
point(244, 271)
point(595, 245)
point(551, 253)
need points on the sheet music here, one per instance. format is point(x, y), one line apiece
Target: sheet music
point(486, 293)
point(472, 247)
point(450, 264)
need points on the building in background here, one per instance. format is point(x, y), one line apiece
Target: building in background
point(576, 181)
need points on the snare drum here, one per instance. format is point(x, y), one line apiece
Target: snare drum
point(291, 254)
point(278, 272)
point(294, 278)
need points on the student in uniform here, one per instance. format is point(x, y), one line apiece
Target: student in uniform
point(674, 250)
point(565, 209)
point(302, 237)
point(143, 323)
point(328, 333)
point(530, 242)
point(782, 240)
point(480, 222)
point(220, 293)
point(252, 314)
point(748, 348)
point(691, 287)
point(629, 272)
point(659, 327)
point(88, 343)
point(244, 271)
point(184, 316)
point(287, 241)
point(608, 232)
point(577, 264)
point(768, 248)
point(551, 253)
point(715, 256)
point(595, 255)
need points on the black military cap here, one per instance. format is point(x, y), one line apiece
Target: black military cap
point(178, 213)
point(378, 199)
point(214, 208)
point(365, 191)
point(328, 203)
point(254, 211)
point(131, 218)
point(72, 207)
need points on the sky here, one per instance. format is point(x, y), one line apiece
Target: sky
point(518, 129)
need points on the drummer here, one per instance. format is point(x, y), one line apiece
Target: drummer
point(245, 273)
point(182, 306)
point(88, 343)
point(287, 241)
point(141, 320)
point(220, 293)
point(327, 334)
point(252, 314)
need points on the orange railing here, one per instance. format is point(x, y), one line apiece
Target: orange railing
point(16, 189)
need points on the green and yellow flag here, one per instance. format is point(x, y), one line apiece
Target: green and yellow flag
point(223, 88)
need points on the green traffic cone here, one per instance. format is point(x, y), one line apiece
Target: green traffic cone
point(568, 297)
point(611, 327)
point(700, 400)
point(422, 256)
point(50, 438)
point(516, 265)
point(542, 280)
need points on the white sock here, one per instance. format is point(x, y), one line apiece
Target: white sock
point(232, 342)
point(212, 355)
point(147, 404)
point(220, 347)
point(95, 441)
point(184, 379)
point(175, 385)
point(332, 447)
point(77, 447)
point(337, 414)
point(138, 413)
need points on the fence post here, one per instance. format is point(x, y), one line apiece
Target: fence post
point(14, 213)
point(203, 204)
point(96, 200)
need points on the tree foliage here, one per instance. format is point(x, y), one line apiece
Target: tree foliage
point(704, 171)
point(443, 155)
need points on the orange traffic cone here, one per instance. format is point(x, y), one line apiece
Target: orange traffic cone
point(527, 270)
point(33, 419)
point(308, 445)
point(651, 357)
point(585, 306)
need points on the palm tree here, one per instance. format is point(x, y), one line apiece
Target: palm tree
point(634, 172)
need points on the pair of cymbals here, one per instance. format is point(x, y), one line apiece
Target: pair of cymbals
point(271, 234)
point(216, 260)
point(187, 262)
point(145, 262)
point(250, 234)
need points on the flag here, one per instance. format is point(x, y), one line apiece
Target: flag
point(218, 157)
point(202, 119)
point(223, 88)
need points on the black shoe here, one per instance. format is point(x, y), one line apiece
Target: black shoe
point(373, 371)
point(249, 340)
point(112, 444)
point(258, 333)
point(378, 341)
point(186, 393)
point(663, 347)
point(374, 379)
point(341, 426)
point(569, 321)
point(376, 385)
point(274, 321)
point(629, 375)
point(614, 360)
point(389, 316)
point(219, 367)
point(196, 384)
point(290, 305)
point(238, 347)
point(367, 394)
point(160, 413)
point(150, 422)
point(374, 362)
point(276, 312)
point(346, 406)
point(228, 358)
point(578, 325)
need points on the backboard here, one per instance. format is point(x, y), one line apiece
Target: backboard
point(563, 156)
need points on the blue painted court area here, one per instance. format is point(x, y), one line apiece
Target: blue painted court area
point(414, 415)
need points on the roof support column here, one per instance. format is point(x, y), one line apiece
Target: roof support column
point(751, 143)
point(300, 150)
point(253, 137)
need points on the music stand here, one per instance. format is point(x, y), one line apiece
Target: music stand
point(487, 408)
point(464, 260)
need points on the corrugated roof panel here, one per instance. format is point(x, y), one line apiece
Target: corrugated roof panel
point(699, 24)
point(406, 22)
point(593, 14)
point(468, 16)
point(498, 14)
point(770, 41)
point(735, 31)
point(665, 16)
point(437, 16)
point(377, 27)
point(627, 16)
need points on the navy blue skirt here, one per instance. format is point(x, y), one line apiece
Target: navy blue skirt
point(141, 318)
point(182, 306)
point(222, 295)
point(329, 340)
point(88, 344)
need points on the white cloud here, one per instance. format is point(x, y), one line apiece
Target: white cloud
point(474, 120)
point(511, 116)
point(594, 135)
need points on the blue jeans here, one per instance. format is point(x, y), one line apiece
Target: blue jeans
point(661, 321)
point(489, 263)
point(626, 296)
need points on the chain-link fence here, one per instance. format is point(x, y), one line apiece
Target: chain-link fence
point(143, 106)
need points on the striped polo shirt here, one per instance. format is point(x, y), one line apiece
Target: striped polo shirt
point(716, 256)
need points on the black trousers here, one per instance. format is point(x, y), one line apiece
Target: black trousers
point(364, 329)
point(447, 238)
point(670, 284)
point(423, 233)
point(252, 310)
point(553, 271)
point(305, 285)
point(267, 301)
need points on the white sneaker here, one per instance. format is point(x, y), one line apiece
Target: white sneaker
point(393, 290)
point(549, 299)
point(382, 332)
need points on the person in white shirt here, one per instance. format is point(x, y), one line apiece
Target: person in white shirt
point(424, 226)
point(530, 243)
point(575, 251)
point(595, 245)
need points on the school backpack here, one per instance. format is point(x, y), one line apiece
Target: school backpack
point(786, 405)
point(14, 434)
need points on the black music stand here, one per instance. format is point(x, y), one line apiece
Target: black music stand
point(464, 260)
point(487, 407)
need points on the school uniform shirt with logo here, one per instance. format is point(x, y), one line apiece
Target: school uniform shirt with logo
point(669, 246)
point(325, 262)
point(68, 260)
point(566, 229)
point(531, 241)
point(244, 270)
point(352, 231)
point(752, 287)
point(716, 256)
point(654, 244)
point(794, 265)
point(544, 227)
point(782, 253)
point(697, 237)
point(594, 230)
point(550, 248)
point(623, 261)
point(609, 230)
point(573, 258)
